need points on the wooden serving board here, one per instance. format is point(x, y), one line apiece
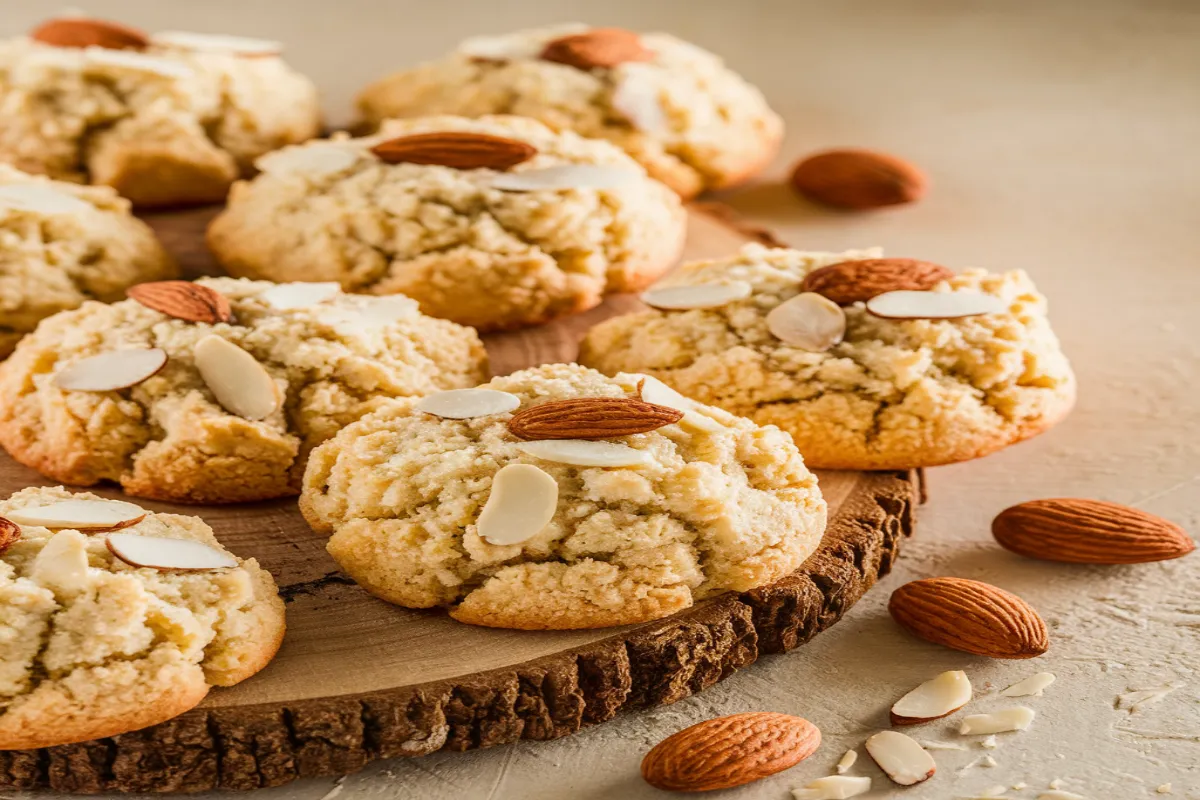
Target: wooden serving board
point(358, 679)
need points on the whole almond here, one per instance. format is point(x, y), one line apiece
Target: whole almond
point(183, 300)
point(591, 418)
point(971, 616)
point(9, 533)
point(67, 32)
point(1082, 531)
point(858, 281)
point(857, 179)
point(730, 751)
point(457, 149)
point(600, 48)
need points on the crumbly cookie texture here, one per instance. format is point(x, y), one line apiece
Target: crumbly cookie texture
point(165, 126)
point(725, 506)
point(50, 261)
point(894, 394)
point(169, 438)
point(96, 647)
point(702, 126)
point(464, 250)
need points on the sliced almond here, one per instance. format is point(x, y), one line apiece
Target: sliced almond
point(191, 302)
point(905, 304)
point(316, 160)
point(515, 46)
point(833, 787)
point(565, 177)
point(904, 761)
point(847, 761)
point(1033, 686)
point(9, 532)
point(137, 62)
point(637, 98)
point(81, 515)
point(241, 385)
point(361, 316)
point(62, 564)
point(1060, 794)
point(286, 296)
point(79, 31)
point(1010, 719)
point(703, 295)
point(39, 199)
point(808, 321)
point(109, 372)
point(584, 453)
point(522, 502)
point(157, 552)
point(653, 390)
point(933, 699)
point(217, 43)
point(467, 403)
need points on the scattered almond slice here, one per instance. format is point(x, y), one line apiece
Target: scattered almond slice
point(703, 295)
point(833, 787)
point(62, 564)
point(241, 385)
point(933, 699)
point(217, 43)
point(906, 304)
point(1031, 686)
point(653, 390)
point(904, 761)
point(81, 515)
point(310, 160)
point(565, 177)
point(157, 552)
point(39, 199)
point(808, 321)
point(637, 98)
point(467, 403)
point(521, 504)
point(935, 745)
point(109, 372)
point(847, 761)
point(1010, 719)
point(989, 742)
point(286, 296)
point(584, 453)
point(1059, 794)
point(138, 62)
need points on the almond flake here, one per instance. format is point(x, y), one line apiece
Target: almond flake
point(655, 391)
point(38, 199)
point(515, 46)
point(808, 321)
point(80, 515)
point(833, 787)
point(109, 372)
point(157, 552)
point(566, 177)
point(637, 98)
point(1059, 794)
point(989, 742)
point(137, 62)
point(1031, 686)
point(905, 304)
point(217, 43)
point(62, 564)
point(904, 761)
point(317, 160)
point(286, 296)
point(936, 745)
point(847, 761)
point(1010, 719)
point(703, 295)
point(241, 385)
point(933, 699)
point(584, 453)
point(364, 317)
point(521, 504)
point(467, 403)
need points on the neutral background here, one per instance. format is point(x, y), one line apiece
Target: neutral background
point(1061, 138)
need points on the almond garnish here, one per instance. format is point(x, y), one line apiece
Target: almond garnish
point(833, 787)
point(109, 372)
point(218, 43)
point(567, 177)
point(9, 533)
point(599, 48)
point(456, 149)
point(310, 160)
point(157, 552)
point(857, 179)
point(38, 199)
point(847, 761)
point(933, 699)
point(522, 502)
point(83, 32)
point(590, 418)
point(1010, 719)
point(729, 751)
point(584, 453)
point(905, 304)
point(652, 390)
point(1033, 686)
point(184, 300)
point(808, 321)
point(702, 295)
point(858, 281)
point(81, 515)
point(971, 616)
point(241, 385)
point(286, 296)
point(467, 403)
point(904, 761)
point(637, 98)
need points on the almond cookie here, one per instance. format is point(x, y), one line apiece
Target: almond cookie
point(62, 244)
point(691, 121)
point(869, 363)
point(117, 619)
point(167, 118)
point(215, 391)
point(497, 222)
point(556, 498)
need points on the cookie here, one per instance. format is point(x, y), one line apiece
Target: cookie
point(556, 498)
point(117, 618)
point(873, 364)
point(214, 392)
point(498, 223)
point(676, 108)
point(166, 119)
point(62, 244)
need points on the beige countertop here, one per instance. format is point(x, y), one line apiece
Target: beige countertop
point(1060, 137)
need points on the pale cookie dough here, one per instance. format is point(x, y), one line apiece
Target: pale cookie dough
point(464, 249)
point(166, 125)
point(691, 121)
point(95, 647)
point(62, 244)
point(718, 504)
point(894, 394)
point(329, 361)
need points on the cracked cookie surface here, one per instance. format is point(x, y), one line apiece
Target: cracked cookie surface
point(719, 504)
point(97, 647)
point(169, 438)
point(894, 394)
point(464, 250)
point(51, 261)
point(704, 127)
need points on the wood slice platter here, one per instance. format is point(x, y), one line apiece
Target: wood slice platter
point(358, 679)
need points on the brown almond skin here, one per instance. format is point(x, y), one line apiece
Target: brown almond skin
point(900, 721)
point(730, 751)
point(1079, 531)
point(858, 281)
point(591, 418)
point(858, 180)
point(971, 616)
point(600, 48)
point(183, 300)
point(67, 32)
point(9, 533)
point(456, 149)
